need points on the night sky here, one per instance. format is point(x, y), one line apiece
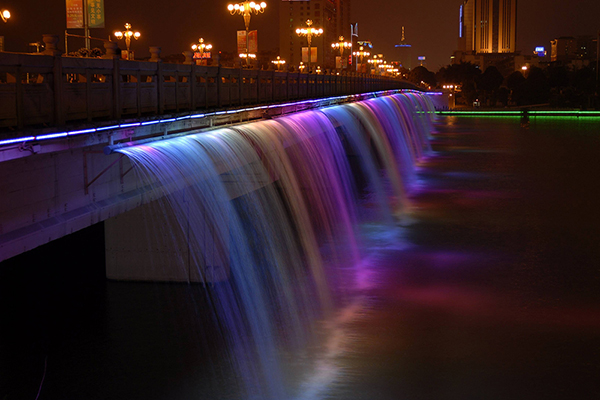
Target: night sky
point(431, 25)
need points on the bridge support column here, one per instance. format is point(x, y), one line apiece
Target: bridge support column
point(148, 244)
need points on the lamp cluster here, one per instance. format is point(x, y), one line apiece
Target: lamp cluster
point(5, 15)
point(341, 45)
point(247, 6)
point(201, 46)
point(127, 34)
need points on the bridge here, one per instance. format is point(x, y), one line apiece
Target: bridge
point(57, 115)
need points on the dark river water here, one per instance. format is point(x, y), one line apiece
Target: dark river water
point(488, 288)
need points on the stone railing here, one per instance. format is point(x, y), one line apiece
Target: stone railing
point(48, 89)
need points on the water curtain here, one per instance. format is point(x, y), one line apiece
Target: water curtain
point(269, 207)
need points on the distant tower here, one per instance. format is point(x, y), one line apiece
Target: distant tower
point(404, 52)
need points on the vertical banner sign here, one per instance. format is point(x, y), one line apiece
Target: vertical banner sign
point(241, 42)
point(253, 42)
point(95, 13)
point(313, 54)
point(74, 14)
point(1, 43)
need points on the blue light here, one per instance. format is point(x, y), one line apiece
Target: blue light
point(460, 22)
point(130, 125)
point(150, 122)
point(106, 128)
point(318, 102)
point(16, 140)
point(51, 136)
point(71, 133)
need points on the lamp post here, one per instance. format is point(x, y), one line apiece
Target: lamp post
point(309, 32)
point(5, 14)
point(375, 61)
point(201, 48)
point(362, 54)
point(127, 34)
point(247, 57)
point(279, 62)
point(245, 9)
point(341, 46)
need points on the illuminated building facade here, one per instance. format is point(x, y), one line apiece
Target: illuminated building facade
point(488, 26)
point(487, 35)
point(331, 15)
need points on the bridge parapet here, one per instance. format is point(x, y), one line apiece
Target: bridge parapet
point(43, 90)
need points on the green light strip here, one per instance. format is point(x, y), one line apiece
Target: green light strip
point(501, 113)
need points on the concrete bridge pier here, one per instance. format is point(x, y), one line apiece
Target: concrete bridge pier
point(148, 244)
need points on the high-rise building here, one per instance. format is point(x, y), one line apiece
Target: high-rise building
point(488, 26)
point(569, 49)
point(487, 35)
point(331, 15)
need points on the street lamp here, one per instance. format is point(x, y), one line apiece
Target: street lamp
point(341, 45)
point(5, 14)
point(201, 48)
point(362, 54)
point(309, 32)
point(247, 55)
point(127, 34)
point(245, 9)
point(375, 61)
point(279, 62)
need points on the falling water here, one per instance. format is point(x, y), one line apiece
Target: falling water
point(270, 207)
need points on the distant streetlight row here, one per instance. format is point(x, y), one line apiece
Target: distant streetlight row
point(245, 9)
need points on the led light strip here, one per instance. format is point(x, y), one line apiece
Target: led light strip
point(551, 113)
point(58, 135)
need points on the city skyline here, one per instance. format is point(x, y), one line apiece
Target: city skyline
point(432, 34)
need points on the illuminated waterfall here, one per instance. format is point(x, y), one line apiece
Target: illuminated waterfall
point(268, 206)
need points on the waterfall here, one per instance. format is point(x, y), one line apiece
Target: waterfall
point(268, 206)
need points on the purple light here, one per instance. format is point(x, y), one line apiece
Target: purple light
point(129, 125)
point(51, 136)
point(106, 128)
point(81, 132)
point(323, 101)
point(150, 122)
point(16, 140)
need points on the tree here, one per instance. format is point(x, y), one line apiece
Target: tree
point(538, 89)
point(490, 80)
point(515, 83)
point(458, 74)
point(422, 74)
point(488, 84)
